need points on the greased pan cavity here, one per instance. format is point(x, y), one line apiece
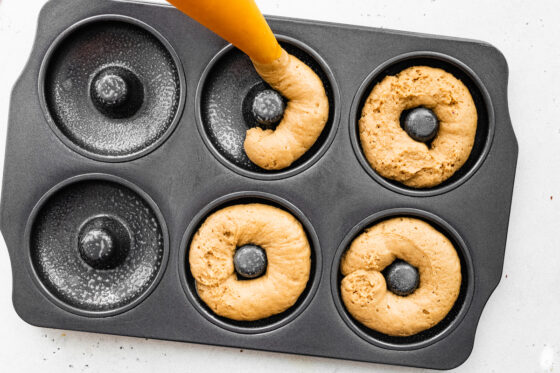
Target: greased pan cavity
point(178, 173)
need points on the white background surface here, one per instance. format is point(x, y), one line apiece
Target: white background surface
point(520, 328)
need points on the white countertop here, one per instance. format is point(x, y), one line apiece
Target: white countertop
point(520, 328)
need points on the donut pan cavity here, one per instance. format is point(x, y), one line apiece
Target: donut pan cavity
point(75, 187)
point(229, 83)
point(270, 323)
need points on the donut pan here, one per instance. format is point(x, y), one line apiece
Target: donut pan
point(104, 187)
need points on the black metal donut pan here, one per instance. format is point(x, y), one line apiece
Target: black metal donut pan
point(334, 193)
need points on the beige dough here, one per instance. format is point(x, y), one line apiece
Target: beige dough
point(211, 261)
point(363, 288)
point(305, 116)
point(395, 155)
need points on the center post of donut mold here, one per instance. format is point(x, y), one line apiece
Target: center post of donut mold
point(103, 242)
point(263, 107)
point(401, 278)
point(250, 261)
point(420, 123)
point(117, 92)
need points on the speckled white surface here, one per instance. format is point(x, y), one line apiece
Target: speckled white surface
point(520, 328)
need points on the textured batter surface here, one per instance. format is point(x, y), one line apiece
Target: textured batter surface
point(304, 118)
point(395, 155)
point(211, 261)
point(363, 288)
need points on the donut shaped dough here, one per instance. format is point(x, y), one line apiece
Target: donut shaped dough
point(211, 261)
point(305, 116)
point(395, 155)
point(363, 288)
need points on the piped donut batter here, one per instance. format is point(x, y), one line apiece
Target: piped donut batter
point(288, 256)
point(364, 289)
point(394, 154)
point(305, 116)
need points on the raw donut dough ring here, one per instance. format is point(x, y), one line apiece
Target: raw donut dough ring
point(305, 116)
point(288, 253)
point(363, 288)
point(395, 155)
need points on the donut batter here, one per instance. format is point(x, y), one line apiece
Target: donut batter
point(395, 155)
point(287, 250)
point(363, 288)
point(305, 116)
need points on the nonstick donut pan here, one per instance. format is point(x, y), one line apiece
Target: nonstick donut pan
point(126, 130)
